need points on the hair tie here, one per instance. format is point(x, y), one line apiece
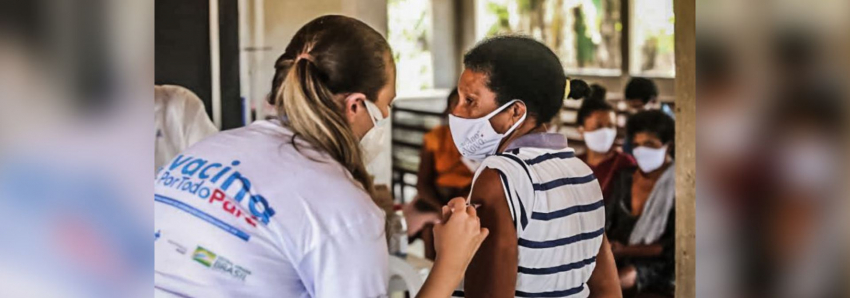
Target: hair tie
point(305, 56)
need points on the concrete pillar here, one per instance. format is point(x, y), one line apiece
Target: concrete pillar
point(371, 12)
point(465, 20)
point(443, 44)
point(284, 18)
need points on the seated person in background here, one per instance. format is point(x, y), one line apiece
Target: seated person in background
point(641, 94)
point(443, 174)
point(597, 124)
point(641, 212)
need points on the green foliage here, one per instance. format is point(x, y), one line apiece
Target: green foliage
point(409, 32)
point(502, 25)
point(585, 49)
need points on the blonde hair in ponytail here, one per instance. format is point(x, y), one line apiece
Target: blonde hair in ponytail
point(328, 57)
point(313, 115)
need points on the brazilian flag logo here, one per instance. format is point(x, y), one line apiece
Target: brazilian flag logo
point(203, 256)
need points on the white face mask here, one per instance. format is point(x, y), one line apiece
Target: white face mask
point(471, 164)
point(374, 142)
point(475, 138)
point(650, 159)
point(600, 140)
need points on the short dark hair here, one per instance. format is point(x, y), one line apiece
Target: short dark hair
point(641, 88)
point(593, 103)
point(597, 92)
point(449, 100)
point(522, 68)
point(653, 121)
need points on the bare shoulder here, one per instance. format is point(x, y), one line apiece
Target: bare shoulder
point(488, 188)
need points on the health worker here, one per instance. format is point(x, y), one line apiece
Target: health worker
point(283, 208)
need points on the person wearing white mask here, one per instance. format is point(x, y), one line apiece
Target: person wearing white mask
point(641, 213)
point(598, 126)
point(542, 205)
point(284, 208)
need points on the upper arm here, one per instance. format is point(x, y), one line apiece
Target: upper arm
point(493, 270)
point(604, 281)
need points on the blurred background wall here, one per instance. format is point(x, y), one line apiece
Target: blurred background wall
point(601, 41)
point(197, 47)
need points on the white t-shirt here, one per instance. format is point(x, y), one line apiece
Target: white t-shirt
point(180, 121)
point(244, 214)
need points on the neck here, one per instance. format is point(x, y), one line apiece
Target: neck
point(525, 128)
point(595, 158)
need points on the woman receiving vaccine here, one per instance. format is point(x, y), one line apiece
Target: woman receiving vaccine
point(283, 208)
point(542, 205)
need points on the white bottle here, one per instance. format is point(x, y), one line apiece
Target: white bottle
point(398, 238)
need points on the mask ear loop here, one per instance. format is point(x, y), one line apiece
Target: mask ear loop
point(500, 109)
point(372, 108)
point(521, 120)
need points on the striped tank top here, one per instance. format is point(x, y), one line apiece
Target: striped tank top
point(557, 209)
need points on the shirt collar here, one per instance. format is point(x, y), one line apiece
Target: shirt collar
point(544, 140)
